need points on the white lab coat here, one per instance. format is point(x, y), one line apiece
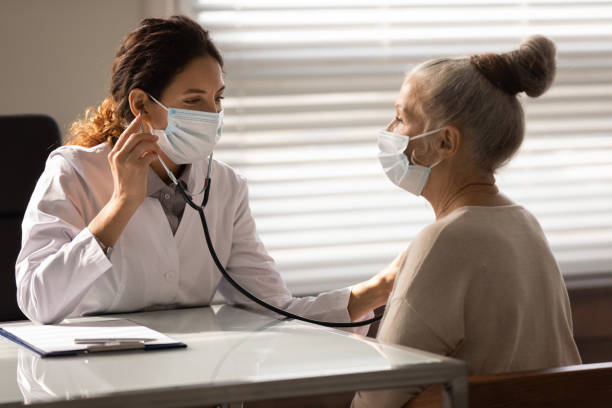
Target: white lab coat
point(62, 271)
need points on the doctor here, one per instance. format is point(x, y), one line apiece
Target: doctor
point(105, 231)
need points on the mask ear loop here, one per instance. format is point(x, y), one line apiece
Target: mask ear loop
point(412, 156)
point(430, 167)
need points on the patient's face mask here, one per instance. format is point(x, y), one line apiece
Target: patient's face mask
point(408, 176)
point(190, 135)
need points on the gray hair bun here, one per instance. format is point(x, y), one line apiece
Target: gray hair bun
point(530, 69)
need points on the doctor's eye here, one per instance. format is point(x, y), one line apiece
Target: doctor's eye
point(219, 98)
point(192, 101)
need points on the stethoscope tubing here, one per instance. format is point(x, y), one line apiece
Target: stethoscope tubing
point(236, 285)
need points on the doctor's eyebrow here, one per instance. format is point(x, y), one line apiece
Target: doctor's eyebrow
point(201, 91)
point(194, 90)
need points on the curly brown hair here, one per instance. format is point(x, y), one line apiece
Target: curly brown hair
point(148, 58)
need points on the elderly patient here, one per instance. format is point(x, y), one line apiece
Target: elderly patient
point(481, 283)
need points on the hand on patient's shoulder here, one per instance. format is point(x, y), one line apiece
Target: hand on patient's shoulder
point(374, 292)
point(386, 278)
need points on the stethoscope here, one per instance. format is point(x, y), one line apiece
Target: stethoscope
point(213, 254)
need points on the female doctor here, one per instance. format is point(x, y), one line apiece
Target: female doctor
point(105, 231)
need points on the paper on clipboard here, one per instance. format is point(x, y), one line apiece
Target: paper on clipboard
point(59, 339)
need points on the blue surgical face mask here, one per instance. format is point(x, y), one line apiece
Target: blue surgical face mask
point(190, 135)
point(408, 176)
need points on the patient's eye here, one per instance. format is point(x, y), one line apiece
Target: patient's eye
point(398, 119)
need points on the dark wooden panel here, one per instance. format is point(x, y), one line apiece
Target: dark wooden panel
point(591, 302)
point(585, 386)
point(595, 351)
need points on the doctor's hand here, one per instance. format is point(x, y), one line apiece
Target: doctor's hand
point(373, 293)
point(129, 161)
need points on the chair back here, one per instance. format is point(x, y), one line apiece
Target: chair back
point(28, 140)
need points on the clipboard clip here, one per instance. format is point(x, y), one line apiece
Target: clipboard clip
point(110, 344)
point(105, 340)
point(115, 346)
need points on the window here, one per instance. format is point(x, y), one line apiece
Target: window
point(310, 83)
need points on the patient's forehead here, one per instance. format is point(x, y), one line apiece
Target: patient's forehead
point(410, 97)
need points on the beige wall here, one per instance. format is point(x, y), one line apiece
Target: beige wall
point(56, 55)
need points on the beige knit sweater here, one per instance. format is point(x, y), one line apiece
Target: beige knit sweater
point(480, 285)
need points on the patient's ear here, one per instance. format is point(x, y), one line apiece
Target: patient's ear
point(449, 141)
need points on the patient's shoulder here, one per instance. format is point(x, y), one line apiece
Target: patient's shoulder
point(450, 230)
point(461, 241)
point(469, 226)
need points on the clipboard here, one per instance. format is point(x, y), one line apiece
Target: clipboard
point(87, 336)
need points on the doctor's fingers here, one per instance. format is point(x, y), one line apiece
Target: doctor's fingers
point(134, 127)
point(144, 152)
point(389, 273)
point(134, 147)
point(134, 140)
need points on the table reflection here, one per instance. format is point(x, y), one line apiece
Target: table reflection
point(224, 345)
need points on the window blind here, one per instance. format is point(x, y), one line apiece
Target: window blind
point(310, 82)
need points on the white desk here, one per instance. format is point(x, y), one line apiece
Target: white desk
point(233, 355)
